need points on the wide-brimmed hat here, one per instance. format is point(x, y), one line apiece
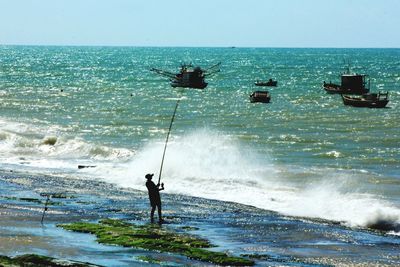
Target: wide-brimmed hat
point(149, 176)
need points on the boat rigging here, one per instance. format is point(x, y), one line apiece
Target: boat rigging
point(189, 76)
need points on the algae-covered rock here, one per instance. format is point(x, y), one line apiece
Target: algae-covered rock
point(34, 260)
point(189, 228)
point(154, 237)
point(6, 261)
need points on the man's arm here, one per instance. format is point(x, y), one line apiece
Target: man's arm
point(162, 187)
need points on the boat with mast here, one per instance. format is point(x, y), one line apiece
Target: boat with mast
point(351, 83)
point(189, 76)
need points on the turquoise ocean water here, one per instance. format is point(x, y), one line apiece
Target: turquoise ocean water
point(304, 154)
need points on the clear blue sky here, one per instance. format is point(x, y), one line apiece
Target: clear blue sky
point(249, 23)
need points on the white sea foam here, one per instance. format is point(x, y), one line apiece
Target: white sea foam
point(336, 199)
point(212, 165)
point(40, 147)
point(206, 163)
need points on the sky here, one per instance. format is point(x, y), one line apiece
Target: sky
point(205, 23)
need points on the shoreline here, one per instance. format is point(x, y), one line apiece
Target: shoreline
point(234, 228)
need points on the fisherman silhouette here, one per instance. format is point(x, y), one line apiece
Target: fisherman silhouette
point(154, 196)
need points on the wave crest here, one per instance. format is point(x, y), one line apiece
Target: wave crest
point(19, 140)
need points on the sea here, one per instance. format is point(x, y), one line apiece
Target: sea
point(304, 155)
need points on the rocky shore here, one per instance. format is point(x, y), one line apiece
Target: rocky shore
point(90, 223)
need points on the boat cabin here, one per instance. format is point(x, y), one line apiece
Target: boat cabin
point(351, 83)
point(354, 82)
point(189, 78)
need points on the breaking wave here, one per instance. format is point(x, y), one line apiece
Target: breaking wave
point(30, 145)
point(212, 165)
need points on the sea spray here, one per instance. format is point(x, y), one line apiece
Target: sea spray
point(208, 163)
point(337, 200)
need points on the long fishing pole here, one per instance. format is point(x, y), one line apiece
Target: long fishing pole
point(45, 206)
point(166, 142)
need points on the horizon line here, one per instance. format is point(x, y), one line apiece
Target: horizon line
point(188, 46)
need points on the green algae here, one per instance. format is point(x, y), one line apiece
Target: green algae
point(38, 260)
point(149, 259)
point(257, 256)
point(154, 237)
point(189, 228)
point(6, 261)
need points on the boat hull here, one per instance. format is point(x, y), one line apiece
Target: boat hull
point(273, 83)
point(189, 85)
point(337, 89)
point(362, 102)
point(260, 96)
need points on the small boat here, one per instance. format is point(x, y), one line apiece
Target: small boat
point(371, 100)
point(260, 96)
point(351, 83)
point(270, 82)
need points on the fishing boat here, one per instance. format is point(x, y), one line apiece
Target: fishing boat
point(189, 76)
point(371, 100)
point(270, 82)
point(351, 83)
point(260, 96)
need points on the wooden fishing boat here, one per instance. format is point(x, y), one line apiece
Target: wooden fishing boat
point(189, 76)
point(260, 96)
point(372, 100)
point(351, 83)
point(270, 82)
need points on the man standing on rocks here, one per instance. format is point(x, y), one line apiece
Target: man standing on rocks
point(154, 196)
